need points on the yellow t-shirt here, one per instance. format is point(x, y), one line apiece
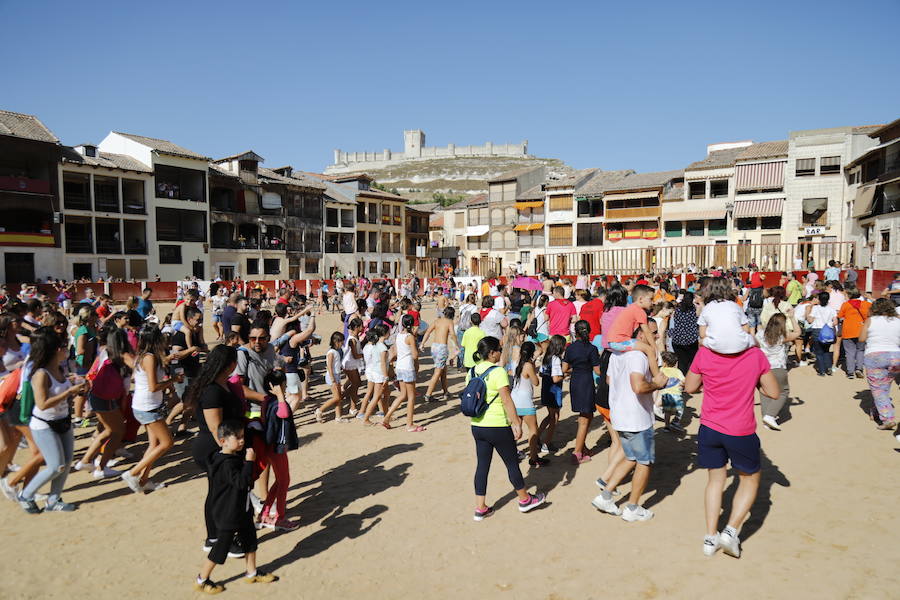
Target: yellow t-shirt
point(495, 415)
point(677, 374)
point(470, 341)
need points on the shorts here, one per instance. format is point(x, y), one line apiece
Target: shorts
point(753, 317)
point(375, 377)
point(101, 405)
point(406, 375)
point(673, 403)
point(177, 325)
point(246, 539)
point(217, 318)
point(292, 383)
point(440, 354)
point(639, 446)
point(145, 417)
point(625, 346)
point(526, 412)
point(541, 337)
point(715, 449)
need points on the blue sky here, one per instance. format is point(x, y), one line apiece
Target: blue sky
point(642, 85)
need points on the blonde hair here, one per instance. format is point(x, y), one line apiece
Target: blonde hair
point(84, 315)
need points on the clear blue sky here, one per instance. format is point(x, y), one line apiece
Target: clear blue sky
point(643, 85)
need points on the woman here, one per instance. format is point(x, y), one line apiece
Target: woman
point(684, 331)
point(51, 423)
point(881, 334)
point(85, 343)
point(818, 315)
point(776, 303)
point(774, 342)
point(497, 428)
point(213, 401)
point(148, 405)
point(406, 352)
point(582, 358)
point(852, 315)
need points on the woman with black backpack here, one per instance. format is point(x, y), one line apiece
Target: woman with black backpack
point(497, 428)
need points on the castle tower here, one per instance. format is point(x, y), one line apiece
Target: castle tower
point(413, 142)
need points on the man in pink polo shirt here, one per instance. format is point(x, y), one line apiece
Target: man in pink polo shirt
point(728, 433)
point(561, 313)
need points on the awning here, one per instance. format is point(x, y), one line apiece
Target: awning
point(770, 207)
point(695, 211)
point(629, 219)
point(529, 204)
point(477, 230)
point(528, 227)
point(863, 203)
point(760, 176)
point(812, 205)
point(631, 196)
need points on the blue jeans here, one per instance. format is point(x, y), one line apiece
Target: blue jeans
point(57, 450)
point(822, 351)
point(461, 355)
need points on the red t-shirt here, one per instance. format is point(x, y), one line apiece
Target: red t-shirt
point(642, 282)
point(282, 300)
point(755, 280)
point(729, 383)
point(103, 311)
point(591, 312)
point(415, 315)
point(560, 313)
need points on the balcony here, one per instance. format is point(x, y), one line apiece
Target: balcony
point(76, 245)
point(644, 212)
point(24, 184)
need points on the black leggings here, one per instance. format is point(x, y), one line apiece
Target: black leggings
point(488, 439)
point(685, 355)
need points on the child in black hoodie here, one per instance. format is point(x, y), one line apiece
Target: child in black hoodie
point(232, 477)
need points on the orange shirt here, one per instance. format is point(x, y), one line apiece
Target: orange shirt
point(663, 296)
point(625, 324)
point(853, 313)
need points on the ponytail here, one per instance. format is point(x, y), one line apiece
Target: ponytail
point(583, 331)
point(486, 345)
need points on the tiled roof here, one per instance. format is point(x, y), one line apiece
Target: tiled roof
point(574, 179)
point(427, 206)
point(436, 219)
point(249, 155)
point(764, 150)
point(601, 181)
point(104, 159)
point(719, 158)
point(640, 181)
point(473, 201)
point(879, 129)
point(532, 193)
point(215, 169)
point(514, 174)
point(294, 179)
point(416, 208)
point(163, 146)
point(867, 129)
point(25, 126)
point(336, 192)
point(376, 193)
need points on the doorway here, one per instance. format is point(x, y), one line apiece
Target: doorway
point(721, 259)
point(83, 270)
point(19, 267)
point(226, 272)
point(199, 270)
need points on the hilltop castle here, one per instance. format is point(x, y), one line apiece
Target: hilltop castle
point(414, 148)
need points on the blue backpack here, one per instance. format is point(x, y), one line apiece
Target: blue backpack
point(473, 400)
point(827, 334)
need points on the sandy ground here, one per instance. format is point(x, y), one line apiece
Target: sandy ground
point(388, 514)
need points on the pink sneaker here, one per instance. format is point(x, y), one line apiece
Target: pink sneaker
point(534, 500)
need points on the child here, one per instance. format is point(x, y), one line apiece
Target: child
point(470, 340)
point(512, 345)
point(280, 438)
point(724, 327)
point(524, 379)
point(333, 361)
point(230, 481)
point(551, 389)
point(353, 360)
point(621, 333)
point(671, 396)
point(406, 352)
point(376, 369)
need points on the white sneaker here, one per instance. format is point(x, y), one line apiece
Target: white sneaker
point(8, 490)
point(110, 463)
point(731, 545)
point(802, 363)
point(133, 482)
point(80, 466)
point(607, 506)
point(256, 502)
point(771, 422)
point(107, 472)
point(637, 514)
point(152, 486)
point(711, 545)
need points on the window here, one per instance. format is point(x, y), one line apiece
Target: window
point(79, 237)
point(805, 167)
point(398, 220)
point(346, 218)
point(252, 266)
point(169, 255)
point(695, 228)
point(770, 223)
point(561, 203)
point(311, 266)
point(312, 240)
point(815, 211)
point(361, 212)
point(133, 197)
point(673, 229)
point(76, 191)
point(331, 217)
point(345, 245)
point(885, 240)
point(272, 266)
point(395, 246)
point(361, 242)
point(175, 225)
point(830, 165)
point(497, 216)
point(385, 242)
point(106, 194)
point(373, 267)
point(560, 235)
point(590, 208)
point(717, 227)
point(697, 190)
point(108, 236)
point(373, 241)
point(331, 242)
point(459, 220)
point(718, 188)
point(746, 224)
point(312, 207)
point(386, 268)
point(589, 234)
point(373, 212)
point(180, 184)
point(386, 214)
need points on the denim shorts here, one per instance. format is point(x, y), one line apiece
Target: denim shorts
point(639, 445)
point(715, 449)
point(101, 405)
point(406, 376)
point(526, 412)
point(145, 417)
point(217, 318)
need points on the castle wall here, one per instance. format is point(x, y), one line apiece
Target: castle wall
point(354, 161)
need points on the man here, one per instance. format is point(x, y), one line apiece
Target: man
point(145, 305)
point(185, 356)
point(753, 299)
point(794, 289)
point(442, 329)
point(728, 433)
point(893, 290)
point(631, 388)
point(798, 263)
point(561, 313)
point(852, 276)
point(833, 272)
point(591, 312)
point(89, 297)
point(239, 322)
point(229, 311)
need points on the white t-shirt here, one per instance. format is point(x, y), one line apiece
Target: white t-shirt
point(465, 316)
point(629, 411)
point(143, 399)
point(819, 316)
point(219, 303)
point(333, 375)
point(884, 335)
point(349, 303)
point(543, 321)
point(523, 394)
point(776, 354)
point(491, 324)
point(404, 354)
point(499, 303)
point(555, 367)
point(724, 321)
point(57, 411)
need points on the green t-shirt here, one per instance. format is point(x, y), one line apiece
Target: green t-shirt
point(88, 346)
point(470, 341)
point(794, 291)
point(524, 312)
point(495, 415)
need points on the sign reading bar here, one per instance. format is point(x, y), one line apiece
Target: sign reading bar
point(813, 231)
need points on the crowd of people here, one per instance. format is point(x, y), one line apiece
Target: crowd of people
point(633, 350)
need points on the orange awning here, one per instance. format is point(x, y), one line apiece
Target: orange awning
point(530, 204)
point(520, 228)
point(528, 227)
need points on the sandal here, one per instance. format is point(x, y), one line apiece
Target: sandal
point(386, 425)
point(416, 429)
point(887, 425)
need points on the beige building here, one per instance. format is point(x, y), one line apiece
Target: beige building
point(380, 222)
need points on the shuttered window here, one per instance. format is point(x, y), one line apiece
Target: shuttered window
point(829, 165)
point(805, 167)
point(560, 202)
point(561, 235)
